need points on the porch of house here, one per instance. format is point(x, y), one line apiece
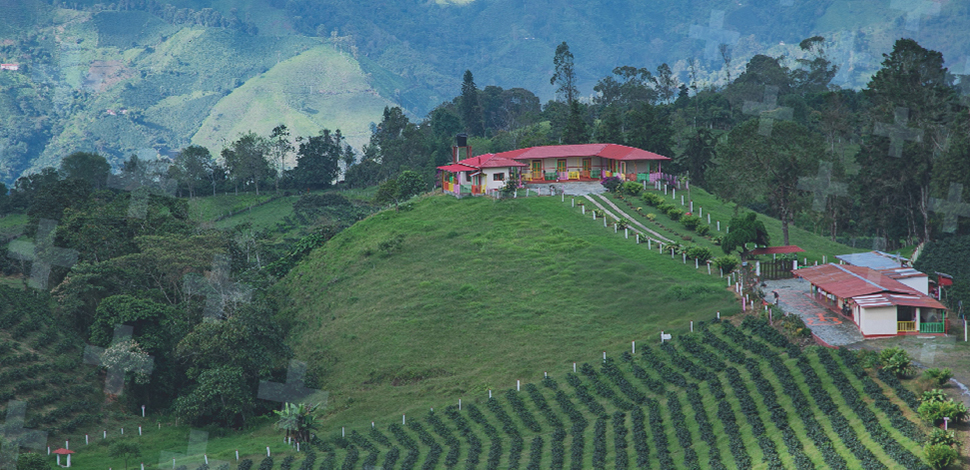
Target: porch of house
point(909, 320)
point(586, 169)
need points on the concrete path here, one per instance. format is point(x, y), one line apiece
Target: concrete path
point(633, 221)
point(600, 206)
point(795, 297)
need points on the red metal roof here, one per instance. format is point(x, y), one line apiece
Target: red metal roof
point(611, 151)
point(457, 167)
point(846, 281)
point(490, 160)
point(889, 300)
point(776, 250)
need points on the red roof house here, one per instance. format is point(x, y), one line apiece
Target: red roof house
point(879, 304)
point(551, 163)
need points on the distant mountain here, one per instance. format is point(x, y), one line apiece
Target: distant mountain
point(151, 76)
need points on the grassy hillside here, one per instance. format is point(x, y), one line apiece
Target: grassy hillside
point(458, 297)
point(709, 205)
point(318, 88)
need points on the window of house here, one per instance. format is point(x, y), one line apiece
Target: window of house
point(468, 177)
point(498, 177)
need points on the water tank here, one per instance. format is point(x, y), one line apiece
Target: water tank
point(462, 140)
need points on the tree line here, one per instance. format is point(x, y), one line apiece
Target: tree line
point(881, 163)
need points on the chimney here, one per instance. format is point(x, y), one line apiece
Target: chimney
point(461, 142)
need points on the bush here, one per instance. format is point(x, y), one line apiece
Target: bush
point(690, 221)
point(794, 327)
point(611, 183)
point(700, 253)
point(675, 214)
point(651, 217)
point(940, 376)
point(631, 187)
point(703, 230)
point(666, 207)
point(940, 456)
point(726, 263)
point(245, 465)
point(933, 395)
point(652, 199)
point(941, 437)
point(934, 411)
point(896, 361)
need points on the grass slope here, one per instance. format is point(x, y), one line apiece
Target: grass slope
point(815, 246)
point(318, 88)
point(477, 295)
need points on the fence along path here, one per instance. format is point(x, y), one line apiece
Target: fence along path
point(633, 220)
point(643, 231)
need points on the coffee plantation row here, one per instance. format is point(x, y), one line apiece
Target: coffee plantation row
point(722, 397)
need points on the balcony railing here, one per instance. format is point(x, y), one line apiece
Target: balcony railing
point(906, 326)
point(927, 327)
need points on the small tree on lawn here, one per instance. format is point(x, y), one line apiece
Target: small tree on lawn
point(297, 420)
point(125, 450)
point(32, 461)
point(745, 229)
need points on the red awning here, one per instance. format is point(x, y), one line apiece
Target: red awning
point(455, 168)
point(63, 451)
point(776, 250)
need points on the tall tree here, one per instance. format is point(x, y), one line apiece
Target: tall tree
point(279, 147)
point(470, 107)
point(913, 114)
point(753, 167)
point(667, 83)
point(698, 154)
point(191, 167)
point(648, 127)
point(565, 74)
point(576, 131)
point(745, 229)
point(610, 128)
point(246, 160)
point(626, 88)
point(317, 161)
point(86, 166)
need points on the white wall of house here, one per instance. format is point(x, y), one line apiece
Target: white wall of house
point(920, 283)
point(490, 181)
point(878, 321)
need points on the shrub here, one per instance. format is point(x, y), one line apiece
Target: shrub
point(717, 239)
point(940, 456)
point(700, 253)
point(703, 230)
point(651, 217)
point(690, 222)
point(868, 358)
point(666, 207)
point(611, 183)
point(934, 411)
point(794, 327)
point(940, 376)
point(933, 395)
point(652, 199)
point(896, 361)
point(726, 263)
point(631, 187)
point(941, 437)
point(675, 214)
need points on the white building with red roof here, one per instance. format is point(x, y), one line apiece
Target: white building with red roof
point(565, 164)
point(878, 304)
point(11, 67)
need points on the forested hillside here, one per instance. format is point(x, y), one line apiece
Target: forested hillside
point(143, 76)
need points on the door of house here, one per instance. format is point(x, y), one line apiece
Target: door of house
point(587, 167)
point(536, 169)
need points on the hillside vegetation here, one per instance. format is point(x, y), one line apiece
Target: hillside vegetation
point(319, 88)
point(454, 297)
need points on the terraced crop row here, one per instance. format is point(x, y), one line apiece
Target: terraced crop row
point(723, 397)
